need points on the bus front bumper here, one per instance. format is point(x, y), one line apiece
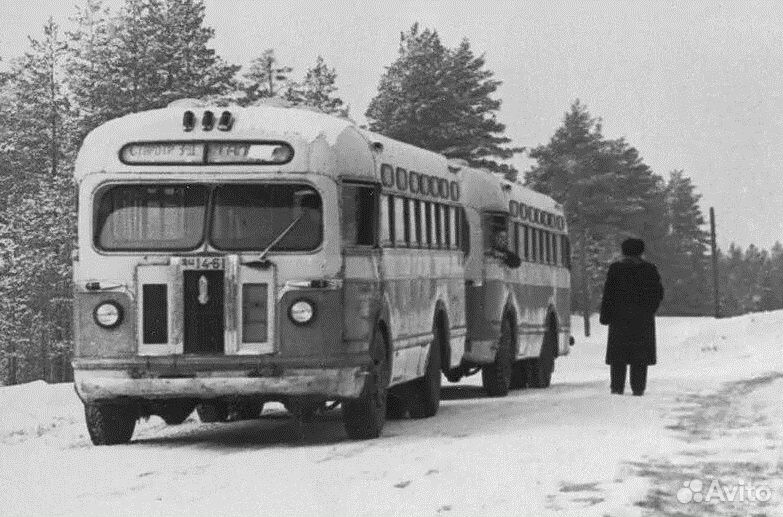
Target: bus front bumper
point(105, 379)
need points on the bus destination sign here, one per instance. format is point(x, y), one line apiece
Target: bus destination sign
point(163, 152)
point(202, 153)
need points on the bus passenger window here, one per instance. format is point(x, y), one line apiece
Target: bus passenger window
point(464, 232)
point(392, 222)
point(428, 222)
point(406, 215)
point(358, 208)
point(555, 249)
point(548, 240)
point(447, 226)
point(454, 211)
point(400, 238)
point(436, 214)
point(415, 222)
point(385, 221)
point(533, 245)
point(526, 229)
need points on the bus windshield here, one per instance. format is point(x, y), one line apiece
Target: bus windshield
point(173, 217)
point(251, 217)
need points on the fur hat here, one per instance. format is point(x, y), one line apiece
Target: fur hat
point(632, 247)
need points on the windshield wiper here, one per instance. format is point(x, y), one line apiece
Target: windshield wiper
point(261, 262)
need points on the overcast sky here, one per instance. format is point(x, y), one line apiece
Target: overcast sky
point(693, 87)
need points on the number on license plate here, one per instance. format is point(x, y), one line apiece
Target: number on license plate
point(203, 263)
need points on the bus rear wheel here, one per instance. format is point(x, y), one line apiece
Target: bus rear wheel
point(364, 417)
point(541, 368)
point(110, 424)
point(496, 377)
point(426, 399)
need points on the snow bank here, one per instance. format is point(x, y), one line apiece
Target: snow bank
point(37, 408)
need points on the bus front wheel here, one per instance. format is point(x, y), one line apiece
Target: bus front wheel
point(364, 417)
point(496, 376)
point(110, 424)
point(540, 371)
point(426, 399)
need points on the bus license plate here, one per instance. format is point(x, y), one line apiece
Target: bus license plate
point(204, 263)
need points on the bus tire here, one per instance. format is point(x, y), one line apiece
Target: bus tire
point(496, 376)
point(365, 416)
point(541, 368)
point(110, 424)
point(176, 411)
point(211, 412)
point(396, 405)
point(426, 398)
point(518, 375)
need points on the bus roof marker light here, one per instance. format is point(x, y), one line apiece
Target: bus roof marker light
point(188, 120)
point(226, 121)
point(208, 121)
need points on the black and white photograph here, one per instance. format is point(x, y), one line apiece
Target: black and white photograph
point(420, 258)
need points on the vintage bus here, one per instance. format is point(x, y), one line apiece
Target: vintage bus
point(232, 256)
point(517, 276)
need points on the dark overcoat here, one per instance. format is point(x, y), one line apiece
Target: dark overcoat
point(632, 294)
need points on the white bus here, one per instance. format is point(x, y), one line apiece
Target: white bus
point(228, 257)
point(517, 283)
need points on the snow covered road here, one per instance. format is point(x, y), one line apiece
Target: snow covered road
point(713, 412)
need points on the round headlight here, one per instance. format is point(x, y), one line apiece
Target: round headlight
point(108, 314)
point(301, 312)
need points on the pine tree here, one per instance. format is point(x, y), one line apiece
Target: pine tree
point(36, 214)
point(608, 194)
point(686, 270)
point(265, 78)
point(150, 53)
point(317, 90)
point(441, 99)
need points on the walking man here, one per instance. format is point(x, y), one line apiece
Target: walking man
point(632, 294)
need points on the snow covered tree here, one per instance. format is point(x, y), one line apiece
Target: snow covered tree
point(317, 90)
point(441, 99)
point(265, 78)
point(686, 269)
point(608, 193)
point(36, 214)
point(151, 53)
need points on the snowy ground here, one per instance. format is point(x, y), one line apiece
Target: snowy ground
point(713, 412)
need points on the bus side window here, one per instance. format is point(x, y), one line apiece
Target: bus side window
point(428, 222)
point(555, 249)
point(464, 232)
point(417, 223)
point(359, 214)
point(436, 214)
point(533, 244)
point(447, 226)
point(548, 240)
point(526, 229)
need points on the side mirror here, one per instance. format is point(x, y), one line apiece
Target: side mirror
point(512, 260)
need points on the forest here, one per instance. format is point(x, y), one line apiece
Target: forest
point(148, 53)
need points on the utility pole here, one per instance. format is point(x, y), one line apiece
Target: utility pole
point(714, 246)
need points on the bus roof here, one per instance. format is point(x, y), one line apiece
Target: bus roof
point(484, 190)
point(300, 127)
point(322, 142)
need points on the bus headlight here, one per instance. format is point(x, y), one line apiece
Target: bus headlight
point(301, 312)
point(108, 315)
